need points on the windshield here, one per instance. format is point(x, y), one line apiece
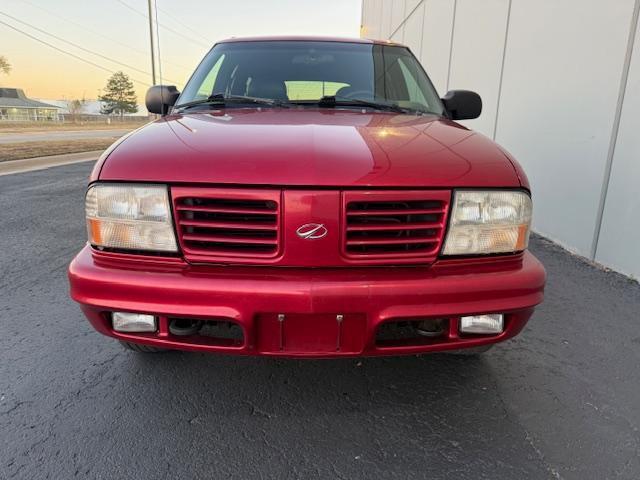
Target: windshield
point(306, 71)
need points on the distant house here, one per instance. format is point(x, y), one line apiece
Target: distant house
point(16, 107)
point(91, 108)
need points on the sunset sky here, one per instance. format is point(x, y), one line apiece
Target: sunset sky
point(119, 31)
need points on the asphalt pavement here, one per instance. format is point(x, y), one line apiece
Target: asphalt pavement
point(562, 400)
point(61, 135)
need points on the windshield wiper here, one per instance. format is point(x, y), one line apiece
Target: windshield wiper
point(222, 100)
point(331, 101)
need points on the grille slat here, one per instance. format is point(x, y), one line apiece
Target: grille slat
point(394, 225)
point(407, 211)
point(222, 224)
point(202, 208)
point(394, 241)
point(228, 239)
point(229, 224)
point(398, 226)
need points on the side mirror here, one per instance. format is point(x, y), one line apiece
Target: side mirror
point(462, 104)
point(160, 98)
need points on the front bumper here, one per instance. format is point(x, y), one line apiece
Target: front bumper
point(262, 300)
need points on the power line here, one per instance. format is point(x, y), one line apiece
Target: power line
point(169, 29)
point(155, 6)
point(98, 34)
point(74, 44)
point(184, 25)
point(77, 46)
point(79, 25)
point(67, 53)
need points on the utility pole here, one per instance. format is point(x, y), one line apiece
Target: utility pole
point(153, 48)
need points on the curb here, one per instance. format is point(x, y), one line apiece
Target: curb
point(40, 163)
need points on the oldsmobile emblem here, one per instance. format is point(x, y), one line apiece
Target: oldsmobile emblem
point(312, 231)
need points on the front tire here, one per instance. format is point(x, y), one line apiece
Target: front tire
point(136, 347)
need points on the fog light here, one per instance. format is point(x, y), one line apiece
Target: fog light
point(429, 328)
point(133, 322)
point(487, 324)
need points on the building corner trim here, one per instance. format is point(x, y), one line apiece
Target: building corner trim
point(504, 56)
point(624, 78)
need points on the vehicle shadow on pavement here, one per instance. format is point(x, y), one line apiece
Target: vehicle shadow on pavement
point(320, 385)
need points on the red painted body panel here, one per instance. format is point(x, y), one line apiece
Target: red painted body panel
point(311, 148)
point(306, 298)
point(522, 176)
point(252, 296)
point(299, 207)
point(443, 196)
point(196, 256)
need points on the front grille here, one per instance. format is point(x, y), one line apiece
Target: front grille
point(228, 224)
point(394, 225)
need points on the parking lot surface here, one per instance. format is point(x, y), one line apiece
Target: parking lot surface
point(562, 400)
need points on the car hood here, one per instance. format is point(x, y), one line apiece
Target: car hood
point(302, 147)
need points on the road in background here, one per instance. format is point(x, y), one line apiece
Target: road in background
point(559, 401)
point(60, 135)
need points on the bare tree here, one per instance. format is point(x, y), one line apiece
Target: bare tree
point(75, 108)
point(5, 66)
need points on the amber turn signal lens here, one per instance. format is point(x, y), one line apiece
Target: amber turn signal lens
point(486, 222)
point(130, 217)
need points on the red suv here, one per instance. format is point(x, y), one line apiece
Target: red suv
point(308, 197)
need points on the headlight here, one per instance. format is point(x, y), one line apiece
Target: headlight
point(132, 217)
point(488, 222)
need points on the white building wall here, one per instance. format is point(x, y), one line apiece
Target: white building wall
point(477, 54)
point(413, 27)
point(619, 242)
point(397, 18)
point(560, 88)
point(436, 40)
point(556, 79)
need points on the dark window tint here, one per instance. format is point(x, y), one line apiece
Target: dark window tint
point(310, 70)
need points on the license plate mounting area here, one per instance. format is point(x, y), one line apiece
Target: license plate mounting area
point(309, 334)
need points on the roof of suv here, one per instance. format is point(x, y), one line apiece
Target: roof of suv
point(308, 38)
